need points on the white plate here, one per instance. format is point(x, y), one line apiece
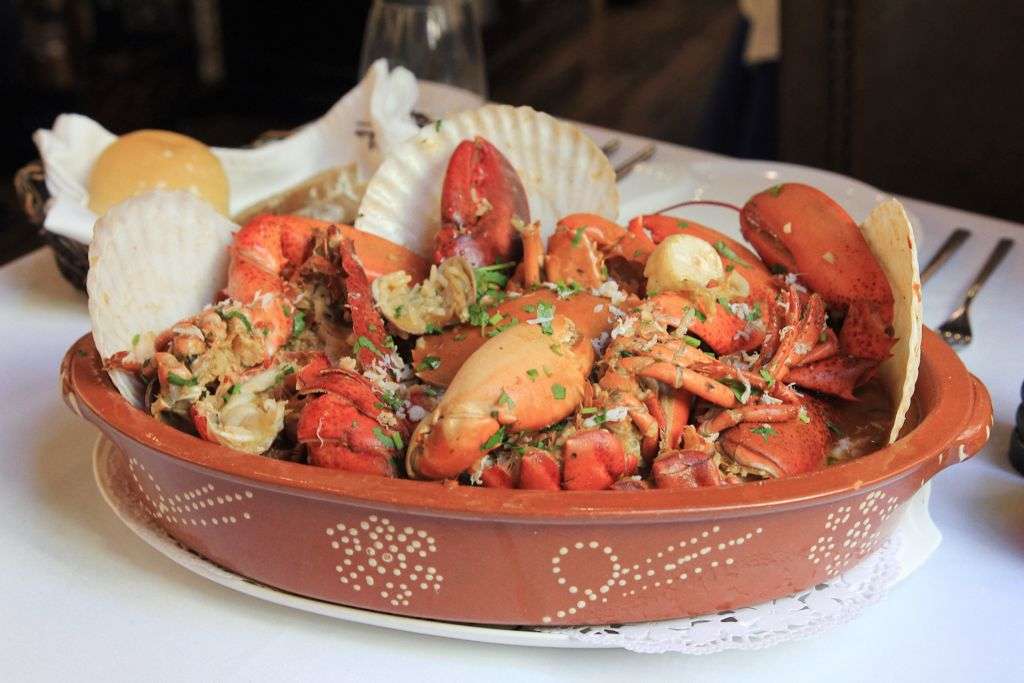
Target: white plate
point(655, 185)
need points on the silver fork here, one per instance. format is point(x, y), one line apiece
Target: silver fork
point(627, 166)
point(957, 329)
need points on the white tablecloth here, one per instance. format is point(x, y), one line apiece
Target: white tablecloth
point(83, 598)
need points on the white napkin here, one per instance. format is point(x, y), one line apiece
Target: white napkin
point(381, 102)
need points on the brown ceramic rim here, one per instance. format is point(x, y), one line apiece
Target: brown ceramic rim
point(962, 415)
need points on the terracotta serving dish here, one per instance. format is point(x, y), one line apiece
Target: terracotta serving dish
point(528, 557)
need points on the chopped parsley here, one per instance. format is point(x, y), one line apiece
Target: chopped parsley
point(565, 291)
point(393, 440)
point(738, 387)
point(437, 125)
point(803, 416)
point(398, 311)
point(430, 363)
point(298, 323)
point(532, 374)
point(692, 341)
point(227, 315)
point(578, 235)
point(699, 315)
point(179, 381)
point(755, 312)
point(431, 328)
point(495, 439)
point(556, 349)
point(478, 315)
point(506, 400)
point(682, 224)
point(775, 190)
point(834, 428)
point(364, 343)
point(726, 251)
point(545, 314)
point(767, 377)
point(235, 388)
point(558, 391)
point(135, 340)
point(390, 400)
point(491, 279)
point(764, 431)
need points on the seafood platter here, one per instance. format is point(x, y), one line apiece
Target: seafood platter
point(487, 397)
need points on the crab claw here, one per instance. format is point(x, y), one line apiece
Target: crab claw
point(482, 202)
point(594, 460)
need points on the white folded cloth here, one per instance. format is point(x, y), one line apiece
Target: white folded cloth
point(382, 102)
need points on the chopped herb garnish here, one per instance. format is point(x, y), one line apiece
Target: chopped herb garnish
point(431, 391)
point(506, 400)
point(398, 311)
point(545, 314)
point(738, 387)
point(565, 291)
point(495, 440)
point(823, 337)
point(530, 308)
point(490, 279)
point(803, 416)
point(834, 428)
point(227, 315)
point(135, 340)
point(390, 400)
point(429, 363)
point(459, 337)
point(775, 190)
point(588, 411)
point(558, 391)
point(364, 343)
point(298, 323)
point(547, 371)
point(722, 301)
point(726, 251)
point(437, 125)
point(755, 312)
point(692, 341)
point(767, 377)
point(764, 431)
point(578, 235)
point(393, 440)
point(495, 319)
point(699, 315)
point(532, 374)
point(557, 349)
point(431, 328)
point(179, 381)
point(682, 224)
point(478, 315)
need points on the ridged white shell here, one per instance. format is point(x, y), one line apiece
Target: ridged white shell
point(561, 168)
point(154, 260)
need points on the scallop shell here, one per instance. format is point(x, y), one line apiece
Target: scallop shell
point(562, 170)
point(890, 235)
point(154, 259)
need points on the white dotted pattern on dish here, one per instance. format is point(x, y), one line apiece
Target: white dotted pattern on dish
point(850, 535)
point(679, 562)
point(384, 557)
point(202, 506)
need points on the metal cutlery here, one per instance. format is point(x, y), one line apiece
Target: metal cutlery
point(627, 166)
point(957, 329)
point(611, 147)
point(948, 248)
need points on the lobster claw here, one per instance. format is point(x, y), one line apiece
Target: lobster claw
point(482, 202)
point(802, 230)
point(837, 376)
point(780, 449)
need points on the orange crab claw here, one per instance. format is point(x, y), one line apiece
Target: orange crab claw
point(482, 200)
point(594, 460)
point(450, 349)
point(802, 230)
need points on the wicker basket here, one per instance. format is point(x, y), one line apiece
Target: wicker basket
point(71, 255)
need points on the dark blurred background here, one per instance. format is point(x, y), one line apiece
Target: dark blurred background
point(918, 97)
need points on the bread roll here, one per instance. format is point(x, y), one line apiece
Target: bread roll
point(156, 159)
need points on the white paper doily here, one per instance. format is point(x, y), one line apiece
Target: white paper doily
point(794, 617)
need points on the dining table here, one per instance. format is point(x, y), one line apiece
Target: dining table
point(85, 598)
